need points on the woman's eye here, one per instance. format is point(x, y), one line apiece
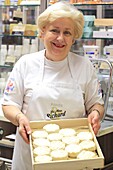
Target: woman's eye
point(67, 33)
point(54, 31)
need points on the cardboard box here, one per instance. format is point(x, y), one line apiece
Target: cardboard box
point(102, 34)
point(103, 22)
point(73, 164)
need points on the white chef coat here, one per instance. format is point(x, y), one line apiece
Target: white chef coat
point(24, 78)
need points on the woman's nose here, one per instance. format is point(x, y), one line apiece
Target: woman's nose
point(60, 37)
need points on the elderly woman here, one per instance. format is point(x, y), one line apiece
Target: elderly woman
point(52, 78)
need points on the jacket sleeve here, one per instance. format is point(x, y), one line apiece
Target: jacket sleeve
point(14, 90)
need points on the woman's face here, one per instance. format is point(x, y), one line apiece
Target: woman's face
point(58, 37)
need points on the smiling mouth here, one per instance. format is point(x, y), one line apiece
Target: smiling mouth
point(58, 45)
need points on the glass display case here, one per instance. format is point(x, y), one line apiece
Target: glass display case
point(98, 49)
point(18, 35)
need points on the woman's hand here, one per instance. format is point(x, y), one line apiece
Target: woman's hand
point(24, 127)
point(14, 114)
point(94, 120)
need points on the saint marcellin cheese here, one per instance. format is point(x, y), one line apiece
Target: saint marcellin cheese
point(52, 143)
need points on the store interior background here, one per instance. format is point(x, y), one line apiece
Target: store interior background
point(18, 31)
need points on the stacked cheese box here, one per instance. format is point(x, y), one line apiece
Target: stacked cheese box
point(64, 144)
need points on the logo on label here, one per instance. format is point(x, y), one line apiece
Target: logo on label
point(10, 86)
point(56, 113)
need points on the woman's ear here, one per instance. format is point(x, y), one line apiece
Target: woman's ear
point(42, 32)
point(73, 41)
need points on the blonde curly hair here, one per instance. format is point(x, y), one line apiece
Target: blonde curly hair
point(62, 10)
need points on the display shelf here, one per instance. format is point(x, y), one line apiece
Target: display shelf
point(93, 4)
point(97, 38)
point(89, 7)
point(83, 7)
point(18, 23)
point(32, 37)
point(18, 35)
point(6, 66)
point(15, 5)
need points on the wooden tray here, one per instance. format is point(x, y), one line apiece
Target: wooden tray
point(74, 164)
